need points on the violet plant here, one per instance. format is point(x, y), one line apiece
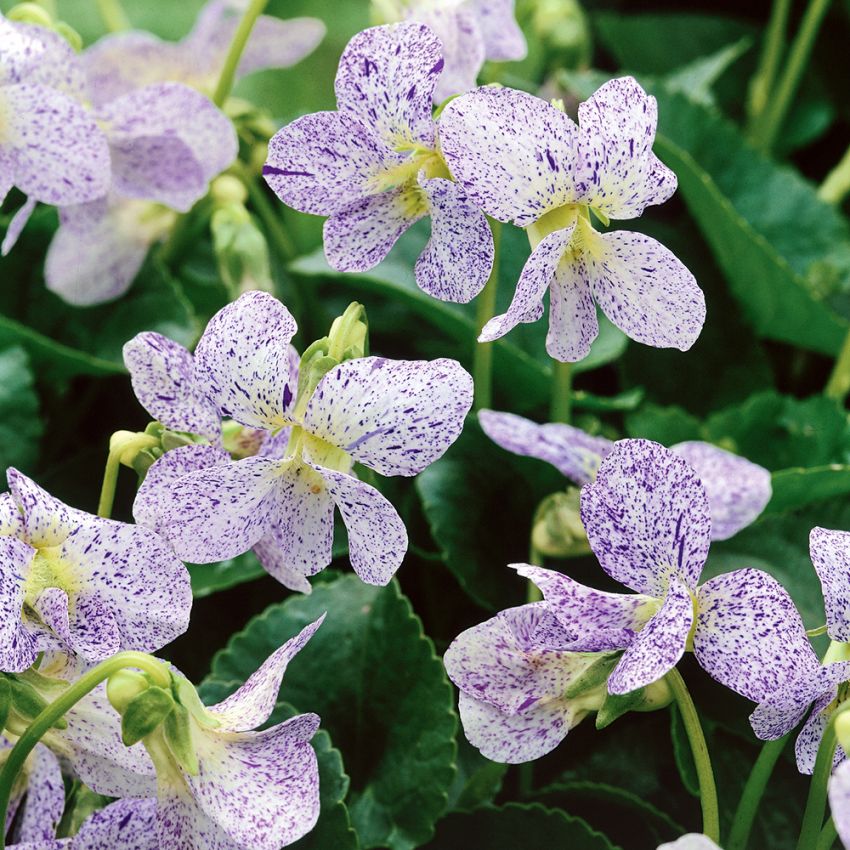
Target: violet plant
point(340, 603)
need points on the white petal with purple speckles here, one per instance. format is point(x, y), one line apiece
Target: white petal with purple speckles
point(123, 825)
point(163, 379)
point(596, 620)
point(573, 452)
point(299, 541)
point(537, 274)
point(260, 788)
point(830, 553)
point(808, 741)
point(17, 224)
point(386, 80)
point(573, 325)
point(515, 738)
point(462, 47)
point(658, 647)
point(276, 43)
point(839, 801)
point(377, 538)
point(530, 149)
point(34, 54)
point(45, 800)
point(252, 704)
point(644, 289)
point(323, 162)
point(503, 39)
point(216, 513)
point(515, 659)
point(242, 360)
point(17, 646)
point(647, 517)
point(395, 416)
point(46, 520)
point(749, 636)
point(458, 259)
point(617, 172)
point(738, 490)
point(691, 841)
point(359, 236)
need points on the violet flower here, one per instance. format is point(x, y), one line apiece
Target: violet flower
point(38, 798)
point(374, 166)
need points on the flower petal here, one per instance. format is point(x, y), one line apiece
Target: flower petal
point(377, 538)
point(537, 275)
point(617, 171)
point(462, 46)
point(16, 225)
point(573, 325)
point(386, 80)
point(252, 704)
point(515, 738)
point(163, 379)
point(749, 636)
point(830, 553)
point(596, 620)
point(644, 289)
point(515, 659)
point(17, 646)
point(279, 44)
point(691, 841)
point(215, 513)
point(738, 490)
point(324, 162)
point(395, 416)
point(839, 801)
point(658, 647)
point(45, 800)
point(810, 737)
point(458, 259)
point(35, 54)
point(573, 452)
point(503, 39)
point(123, 825)
point(530, 147)
point(47, 521)
point(242, 360)
point(647, 517)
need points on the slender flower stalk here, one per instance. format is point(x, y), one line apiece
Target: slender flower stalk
point(771, 57)
point(482, 359)
point(838, 384)
point(699, 749)
point(57, 709)
point(827, 836)
point(751, 797)
point(113, 15)
point(562, 392)
point(113, 464)
point(836, 185)
point(237, 47)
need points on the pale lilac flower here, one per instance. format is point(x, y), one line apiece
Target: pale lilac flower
point(80, 583)
point(122, 62)
point(166, 142)
point(647, 521)
point(525, 161)
point(512, 672)
point(50, 147)
point(738, 490)
point(38, 797)
point(839, 801)
point(395, 417)
point(374, 166)
point(471, 31)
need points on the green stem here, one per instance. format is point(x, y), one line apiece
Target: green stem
point(535, 558)
point(271, 221)
point(827, 836)
point(838, 384)
point(57, 709)
point(482, 355)
point(699, 749)
point(816, 804)
point(113, 14)
point(765, 132)
point(113, 465)
point(771, 56)
point(753, 792)
point(562, 392)
point(234, 53)
point(836, 185)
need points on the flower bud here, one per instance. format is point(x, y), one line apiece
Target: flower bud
point(123, 687)
point(842, 729)
point(562, 26)
point(241, 250)
point(228, 189)
point(557, 531)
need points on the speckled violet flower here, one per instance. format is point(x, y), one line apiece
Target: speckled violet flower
point(122, 62)
point(839, 801)
point(522, 160)
point(374, 166)
point(80, 583)
point(738, 490)
point(470, 32)
point(647, 521)
point(512, 672)
point(50, 148)
point(395, 417)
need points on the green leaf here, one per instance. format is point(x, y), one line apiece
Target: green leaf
point(211, 578)
point(665, 425)
point(697, 78)
point(798, 487)
point(479, 502)
point(516, 825)
point(20, 424)
point(372, 676)
point(477, 780)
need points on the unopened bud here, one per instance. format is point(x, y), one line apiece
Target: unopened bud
point(241, 250)
point(558, 531)
point(123, 687)
point(228, 189)
point(562, 25)
point(842, 728)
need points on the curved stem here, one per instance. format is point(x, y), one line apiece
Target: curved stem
point(827, 836)
point(113, 15)
point(838, 384)
point(751, 797)
point(482, 355)
point(699, 749)
point(156, 669)
point(113, 465)
point(774, 46)
point(836, 184)
point(234, 53)
point(768, 128)
point(562, 392)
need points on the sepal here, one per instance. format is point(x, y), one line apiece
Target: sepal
point(144, 714)
point(178, 735)
point(595, 676)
